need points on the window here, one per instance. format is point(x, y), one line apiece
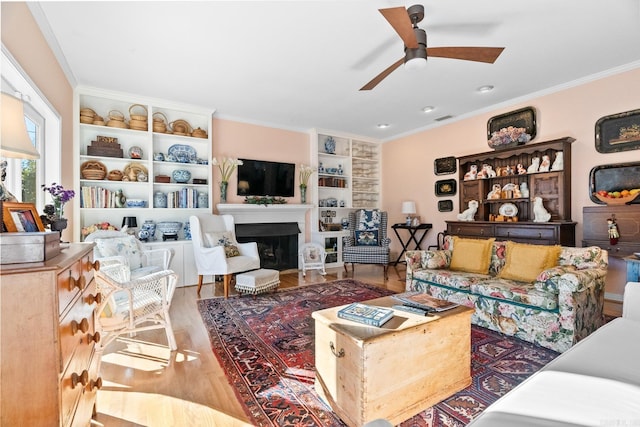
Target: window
point(25, 177)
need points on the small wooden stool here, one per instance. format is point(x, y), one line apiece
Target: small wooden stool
point(257, 281)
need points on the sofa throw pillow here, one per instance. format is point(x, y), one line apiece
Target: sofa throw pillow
point(367, 237)
point(524, 262)
point(471, 255)
point(222, 238)
point(126, 247)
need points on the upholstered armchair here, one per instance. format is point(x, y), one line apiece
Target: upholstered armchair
point(367, 242)
point(216, 250)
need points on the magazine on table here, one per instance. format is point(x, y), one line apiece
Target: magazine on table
point(424, 301)
point(367, 314)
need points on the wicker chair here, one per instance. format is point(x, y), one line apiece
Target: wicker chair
point(362, 246)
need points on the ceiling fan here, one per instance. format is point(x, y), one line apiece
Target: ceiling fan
point(405, 21)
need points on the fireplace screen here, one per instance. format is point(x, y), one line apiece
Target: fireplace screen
point(277, 243)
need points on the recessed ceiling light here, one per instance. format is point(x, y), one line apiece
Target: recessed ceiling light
point(485, 88)
point(383, 125)
point(428, 109)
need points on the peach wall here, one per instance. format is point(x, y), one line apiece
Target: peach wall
point(571, 112)
point(22, 37)
point(249, 141)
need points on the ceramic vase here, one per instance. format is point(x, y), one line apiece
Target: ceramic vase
point(203, 200)
point(159, 200)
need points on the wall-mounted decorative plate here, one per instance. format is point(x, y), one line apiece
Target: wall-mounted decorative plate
point(445, 205)
point(446, 187)
point(445, 165)
point(618, 132)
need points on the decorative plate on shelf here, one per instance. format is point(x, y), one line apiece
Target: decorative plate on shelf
point(183, 153)
point(508, 209)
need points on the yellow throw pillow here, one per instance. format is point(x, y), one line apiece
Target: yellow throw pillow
point(471, 255)
point(525, 262)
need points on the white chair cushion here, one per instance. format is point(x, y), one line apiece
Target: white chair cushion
point(121, 246)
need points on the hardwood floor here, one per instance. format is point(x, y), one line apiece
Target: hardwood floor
point(145, 384)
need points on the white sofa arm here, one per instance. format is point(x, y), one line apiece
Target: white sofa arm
point(631, 304)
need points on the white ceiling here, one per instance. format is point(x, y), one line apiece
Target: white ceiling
point(300, 64)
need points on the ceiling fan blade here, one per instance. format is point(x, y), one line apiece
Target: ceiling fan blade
point(377, 79)
point(400, 21)
point(471, 53)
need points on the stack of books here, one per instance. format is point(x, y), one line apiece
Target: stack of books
point(367, 314)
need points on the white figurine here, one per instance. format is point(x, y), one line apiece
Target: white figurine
point(558, 163)
point(472, 174)
point(535, 164)
point(524, 190)
point(545, 164)
point(540, 214)
point(490, 172)
point(470, 212)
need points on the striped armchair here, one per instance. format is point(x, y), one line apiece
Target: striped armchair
point(367, 242)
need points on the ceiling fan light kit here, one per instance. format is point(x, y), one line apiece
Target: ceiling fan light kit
point(404, 22)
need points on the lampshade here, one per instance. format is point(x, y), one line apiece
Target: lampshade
point(243, 186)
point(408, 208)
point(130, 221)
point(15, 139)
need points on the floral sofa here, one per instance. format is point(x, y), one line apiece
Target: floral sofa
point(562, 305)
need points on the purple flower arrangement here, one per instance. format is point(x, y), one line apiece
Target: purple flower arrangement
point(60, 196)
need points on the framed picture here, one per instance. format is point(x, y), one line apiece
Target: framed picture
point(445, 165)
point(522, 118)
point(446, 187)
point(618, 132)
point(445, 205)
point(21, 217)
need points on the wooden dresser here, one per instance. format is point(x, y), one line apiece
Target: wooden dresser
point(596, 229)
point(49, 363)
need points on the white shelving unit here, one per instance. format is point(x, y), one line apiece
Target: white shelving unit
point(348, 178)
point(196, 161)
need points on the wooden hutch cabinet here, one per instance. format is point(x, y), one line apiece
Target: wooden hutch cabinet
point(554, 187)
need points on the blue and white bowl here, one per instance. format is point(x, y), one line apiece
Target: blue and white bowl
point(136, 203)
point(181, 175)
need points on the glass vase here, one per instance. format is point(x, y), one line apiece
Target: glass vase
point(303, 194)
point(223, 191)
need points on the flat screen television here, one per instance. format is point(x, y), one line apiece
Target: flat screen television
point(263, 178)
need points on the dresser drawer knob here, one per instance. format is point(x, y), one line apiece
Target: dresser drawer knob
point(95, 337)
point(93, 265)
point(82, 326)
point(77, 283)
point(97, 298)
point(83, 379)
point(339, 354)
point(95, 384)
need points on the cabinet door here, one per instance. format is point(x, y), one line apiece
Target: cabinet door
point(474, 190)
point(550, 186)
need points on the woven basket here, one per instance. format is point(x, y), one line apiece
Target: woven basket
point(116, 115)
point(181, 127)
point(138, 116)
point(199, 133)
point(115, 175)
point(93, 170)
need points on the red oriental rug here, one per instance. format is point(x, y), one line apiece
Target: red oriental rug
point(266, 347)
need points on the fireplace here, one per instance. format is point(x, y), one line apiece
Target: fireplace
point(277, 243)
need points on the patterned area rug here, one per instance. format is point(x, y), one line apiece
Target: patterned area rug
point(266, 347)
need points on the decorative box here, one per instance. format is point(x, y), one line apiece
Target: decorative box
point(199, 181)
point(16, 248)
point(163, 178)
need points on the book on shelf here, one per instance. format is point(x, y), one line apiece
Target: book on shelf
point(424, 301)
point(367, 314)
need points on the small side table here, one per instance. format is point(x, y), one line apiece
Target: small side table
point(633, 268)
point(414, 236)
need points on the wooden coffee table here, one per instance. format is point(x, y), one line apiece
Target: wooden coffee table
point(393, 372)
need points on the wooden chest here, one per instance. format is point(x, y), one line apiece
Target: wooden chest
point(393, 372)
point(596, 230)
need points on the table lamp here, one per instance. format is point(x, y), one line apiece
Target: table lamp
point(15, 138)
point(131, 223)
point(409, 208)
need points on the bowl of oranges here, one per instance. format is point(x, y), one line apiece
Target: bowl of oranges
point(621, 197)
